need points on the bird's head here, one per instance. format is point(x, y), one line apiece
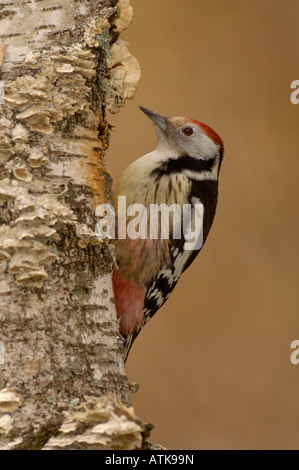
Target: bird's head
point(185, 136)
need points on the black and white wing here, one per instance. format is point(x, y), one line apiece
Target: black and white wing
point(183, 251)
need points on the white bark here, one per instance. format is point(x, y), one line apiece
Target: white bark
point(62, 66)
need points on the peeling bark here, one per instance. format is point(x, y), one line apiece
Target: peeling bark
point(63, 66)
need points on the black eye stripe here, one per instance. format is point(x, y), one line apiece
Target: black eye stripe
point(188, 131)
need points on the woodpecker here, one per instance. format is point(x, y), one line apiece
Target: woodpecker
point(183, 170)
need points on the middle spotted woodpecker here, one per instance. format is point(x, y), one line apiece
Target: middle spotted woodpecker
point(182, 171)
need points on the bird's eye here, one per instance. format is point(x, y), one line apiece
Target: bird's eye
point(188, 131)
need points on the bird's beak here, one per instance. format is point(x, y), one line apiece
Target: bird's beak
point(160, 121)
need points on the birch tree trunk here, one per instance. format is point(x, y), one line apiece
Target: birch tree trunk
point(61, 67)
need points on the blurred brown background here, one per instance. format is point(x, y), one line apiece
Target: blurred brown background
point(214, 364)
